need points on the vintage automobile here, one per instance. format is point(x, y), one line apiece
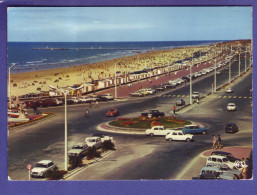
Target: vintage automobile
point(42, 167)
point(231, 107)
point(231, 128)
point(179, 136)
point(214, 172)
point(157, 131)
point(229, 90)
point(136, 94)
point(103, 137)
point(93, 142)
point(195, 95)
point(194, 129)
point(153, 113)
point(80, 148)
point(180, 102)
point(218, 159)
point(112, 112)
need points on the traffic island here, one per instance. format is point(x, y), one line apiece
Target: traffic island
point(138, 125)
point(31, 119)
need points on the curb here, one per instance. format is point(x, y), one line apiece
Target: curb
point(78, 169)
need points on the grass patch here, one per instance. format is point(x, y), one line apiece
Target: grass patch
point(144, 122)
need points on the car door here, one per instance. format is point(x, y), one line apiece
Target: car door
point(162, 131)
point(180, 136)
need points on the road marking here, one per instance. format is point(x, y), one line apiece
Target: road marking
point(240, 97)
point(245, 97)
point(173, 95)
point(178, 95)
point(224, 96)
point(235, 96)
point(183, 96)
point(250, 97)
point(219, 97)
point(169, 95)
point(229, 96)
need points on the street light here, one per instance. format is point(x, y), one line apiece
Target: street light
point(239, 61)
point(215, 67)
point(10, 98)
point(116, 79)
point(191, 79)
point(245, 56)
point(65, 91)
point(229, 74)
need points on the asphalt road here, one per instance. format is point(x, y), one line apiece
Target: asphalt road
point(138, 157)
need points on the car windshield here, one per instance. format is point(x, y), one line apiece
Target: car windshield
point(41, 165)
point(112, 110)
point(91, 140)
point(77, 147)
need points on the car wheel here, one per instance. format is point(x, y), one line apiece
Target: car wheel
point(170, 139)
point(235, 177)
point(151, 134)
point(204, 132)
point(188, 140)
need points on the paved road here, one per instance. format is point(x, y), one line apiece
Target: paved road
point(44, 140)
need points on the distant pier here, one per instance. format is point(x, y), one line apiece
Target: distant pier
point(91, 48)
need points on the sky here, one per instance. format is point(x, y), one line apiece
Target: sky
point(110, 24)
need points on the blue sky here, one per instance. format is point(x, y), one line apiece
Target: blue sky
point(98, 24)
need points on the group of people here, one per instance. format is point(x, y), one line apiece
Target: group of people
point(216, 142)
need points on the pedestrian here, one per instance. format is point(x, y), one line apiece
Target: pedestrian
point(214, 142)
point(35, 108)
point(96, 104)
point(90, 104)
point(219, 142)
point(86, 113)
point(185, 83)
point(174, 109)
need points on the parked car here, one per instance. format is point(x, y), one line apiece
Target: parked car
point(178, 136)
point(231, 107)
point(80, 148)
point(76, 100)
point(153, 113)
point(180, 102)
point(218, 159)
point(112, 112)
point(186, 79)
point(108, 96)
point(48, 102)
point(215, 173)
point(85, 99)
point(42, 167)
point(223, 168)
point(229, 90)
point(70, 101)
point(136, 94)
point(195, 95)
point(225, 154)
point(94, 142)
point(103, 137)
point(194, 129)
point(157, 131)
point(231, 128)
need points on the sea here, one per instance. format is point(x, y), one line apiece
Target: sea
point(26, 58)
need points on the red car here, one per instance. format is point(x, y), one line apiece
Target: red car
point(112, 112)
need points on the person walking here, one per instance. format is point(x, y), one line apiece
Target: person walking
point(219, 146)
point(86, 113)
point(214, 142)
point(174, 109)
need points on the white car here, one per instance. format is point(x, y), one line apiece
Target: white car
point(195, 95)
point(94, 142)
point(157, 130)
point(42, 167)
point(221, 160)
point(78, 149)
point(103, 137)
point(231, 107)
point(108, 96)
point(76, 100)
point(85, 99)
point(229, 90)
point(179, 136)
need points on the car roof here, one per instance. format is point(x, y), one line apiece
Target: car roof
point(210, 168)
point(217, 156)
point(95, 137)
point(45, 161)
point(220, 152)
point(217, 165)
point(231, 103)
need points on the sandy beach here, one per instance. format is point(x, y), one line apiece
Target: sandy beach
point(36, 81)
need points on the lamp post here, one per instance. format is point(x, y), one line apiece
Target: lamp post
point(229, 73)
point(10, 97)
point(215, 67)
point(116, 80)
point(245, 56)
point(239, 61)
point(191, 80)
point(65, 91)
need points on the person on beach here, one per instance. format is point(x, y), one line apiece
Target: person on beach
point(174, 109)
point(214, 142)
